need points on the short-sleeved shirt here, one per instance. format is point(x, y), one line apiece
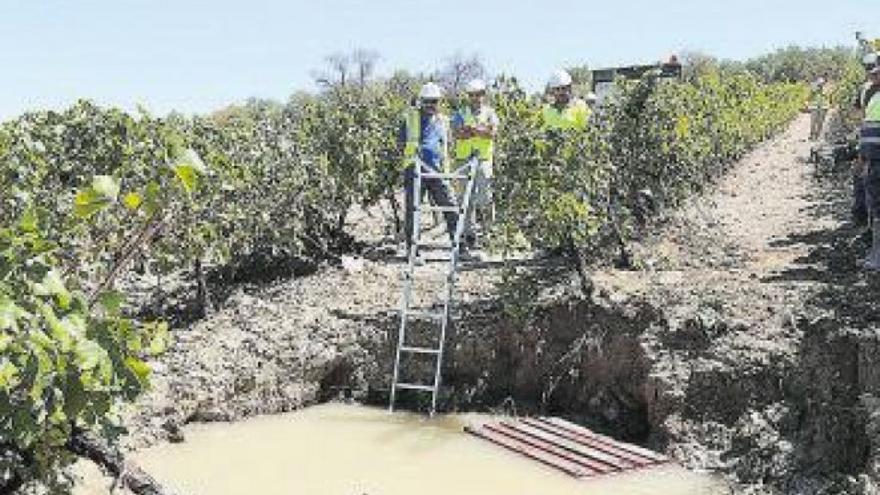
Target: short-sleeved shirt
point(433, 139)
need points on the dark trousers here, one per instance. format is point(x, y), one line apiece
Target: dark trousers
point(440, 196)
point(872, 187)
point(859, 208)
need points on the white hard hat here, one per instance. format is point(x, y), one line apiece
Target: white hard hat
point(559, 79)
point(430, 91)
point(869, 60)
point(591, 97)
point(475, 86)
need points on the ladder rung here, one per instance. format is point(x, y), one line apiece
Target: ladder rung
point(435, 245)
point(420, 350)
point(413, 386)
point(454, 209)
point(425, 314)
point(444, 175)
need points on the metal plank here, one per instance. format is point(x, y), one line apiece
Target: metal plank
point(580, 430)
point(538, 443)
point(527, 450)
point(578, 449)
point(603, 446)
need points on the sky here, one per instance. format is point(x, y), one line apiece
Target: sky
point(201, 55)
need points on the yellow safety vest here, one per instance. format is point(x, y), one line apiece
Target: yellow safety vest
point(573, 116)
point(820, 98)
point(464, 147)
point(872, 110)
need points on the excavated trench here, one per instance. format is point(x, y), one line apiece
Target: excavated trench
point(782, 419)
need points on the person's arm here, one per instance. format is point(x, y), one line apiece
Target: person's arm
point(459, 130)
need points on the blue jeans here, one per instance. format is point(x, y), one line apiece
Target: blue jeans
point(440, 196)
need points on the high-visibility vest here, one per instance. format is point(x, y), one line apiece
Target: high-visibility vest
point(820, 98)
point(869, 137)
point(413, 122)
point(872, 109)
point(573, 116)
point(464, 147)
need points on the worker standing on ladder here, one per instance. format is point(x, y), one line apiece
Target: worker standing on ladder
point(565, 111)
point(869, 155)
point(475, 126)
point(424, 139)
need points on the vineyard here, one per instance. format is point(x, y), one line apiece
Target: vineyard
point(92, 197)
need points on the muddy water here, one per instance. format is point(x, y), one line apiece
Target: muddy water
point(349, 450)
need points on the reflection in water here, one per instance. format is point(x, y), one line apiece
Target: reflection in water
point(339, 449)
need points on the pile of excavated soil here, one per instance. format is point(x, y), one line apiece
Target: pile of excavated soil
point(745, 343)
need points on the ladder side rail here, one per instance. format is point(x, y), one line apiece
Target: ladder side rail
point(451, 274)
point(406, 300)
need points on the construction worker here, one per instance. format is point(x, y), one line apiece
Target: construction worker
point(475, 126)
point(819, 103)
point(859, 209)
point(869, 155)
point(423, 139)
point(565, 111)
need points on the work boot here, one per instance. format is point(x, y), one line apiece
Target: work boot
point(873, 260)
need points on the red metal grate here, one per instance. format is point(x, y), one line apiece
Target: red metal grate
point(566, 446)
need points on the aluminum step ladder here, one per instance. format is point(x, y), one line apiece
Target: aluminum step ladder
point(466, 173)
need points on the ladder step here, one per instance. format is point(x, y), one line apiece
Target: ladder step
point(453, 209)
point(420, 350)
point(444, 175)
point(413, 386)
point(435, 245)
point(436, 315)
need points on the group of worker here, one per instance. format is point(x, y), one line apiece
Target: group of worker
point(866, 183)
point(424, 140)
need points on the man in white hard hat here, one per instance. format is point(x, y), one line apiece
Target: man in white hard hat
point(869, 156)
point(565, 111)
point(859, 208)
point(819, 104)
point(475, 125)
point(424, 139)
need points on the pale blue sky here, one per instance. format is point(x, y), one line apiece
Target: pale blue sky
point(196, 56)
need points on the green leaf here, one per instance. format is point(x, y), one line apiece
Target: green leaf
point(105, 186)
point(88, 202)
point(52, 285)
point(112, 301)
point(160, 339)
point(153, 197)
point(187, 168)
point(29, 221)
point(132, 201)
point(8, 373)
point(140, 369)
point(10, 313)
